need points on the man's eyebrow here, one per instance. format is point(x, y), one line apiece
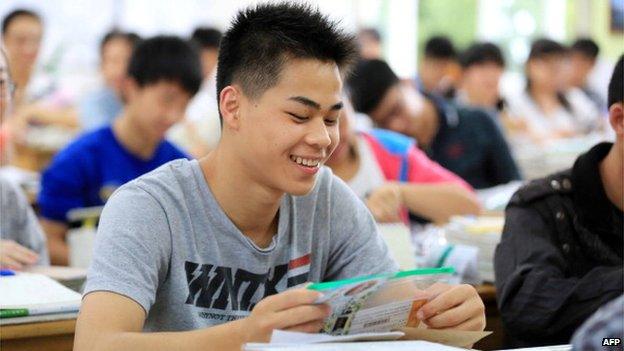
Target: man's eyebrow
point(315, 105)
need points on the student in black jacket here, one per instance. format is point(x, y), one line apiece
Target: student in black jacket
point(560, 257)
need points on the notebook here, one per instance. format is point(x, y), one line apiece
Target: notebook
point(29, 294)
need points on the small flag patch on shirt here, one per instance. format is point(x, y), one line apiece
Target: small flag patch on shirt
point(298, 269)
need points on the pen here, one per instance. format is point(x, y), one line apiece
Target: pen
point(6, 273)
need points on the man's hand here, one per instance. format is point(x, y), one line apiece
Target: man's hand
point(385, 203)
point(15, 256)
point(453, 307)
point(291, 310)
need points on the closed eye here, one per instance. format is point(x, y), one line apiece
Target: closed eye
point(297, 117)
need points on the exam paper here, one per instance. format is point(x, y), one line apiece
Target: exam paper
point(356, 346)
point(286, 337)
point(36, 291)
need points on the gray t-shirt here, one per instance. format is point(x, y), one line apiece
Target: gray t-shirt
point(164, 242)
point(18, 221)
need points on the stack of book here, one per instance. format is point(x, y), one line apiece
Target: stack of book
point(30, 297)
point(481, 232)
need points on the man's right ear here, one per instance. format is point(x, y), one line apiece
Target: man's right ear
point(229, 106)
point(616, 118)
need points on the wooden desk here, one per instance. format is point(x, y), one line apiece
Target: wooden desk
point(49, 336)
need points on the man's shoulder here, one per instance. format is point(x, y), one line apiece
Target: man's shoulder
point(557, 184)
point(87, 142)
point(172, 179)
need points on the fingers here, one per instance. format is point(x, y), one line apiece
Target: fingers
point(15, 256)
point(301, 315)
point(10, 263)
point(310, 327)
point(447, 298)
point(289, 299)
point(474, 324)
point(23, 254)
point(457, 316)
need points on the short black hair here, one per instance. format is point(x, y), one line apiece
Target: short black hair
point(132, 38)
point(616, 85)
point(166, 58)
point(545, 47)
point(371, 32)
point(262, 38)
point(440, 47)
point(586, 47)
point(479, 53)
point(206, 37)
point(13, 15)
point(368, 84)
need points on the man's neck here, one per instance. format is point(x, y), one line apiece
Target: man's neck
point(252, 207)
point(129, 136)
point(612, 173)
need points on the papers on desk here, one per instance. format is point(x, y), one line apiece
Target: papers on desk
point(29, 295)
point(355, 346)
point(484, 233)
point(71, 277)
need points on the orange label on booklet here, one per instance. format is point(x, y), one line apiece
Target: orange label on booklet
point(412, 320)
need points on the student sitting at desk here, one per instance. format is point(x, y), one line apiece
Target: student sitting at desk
point(560, 257)
point(388, 172)
point(465, 141)
point(163, 74)
point(22, 242)
point(201, 253)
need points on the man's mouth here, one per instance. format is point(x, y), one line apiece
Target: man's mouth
point(306, 162)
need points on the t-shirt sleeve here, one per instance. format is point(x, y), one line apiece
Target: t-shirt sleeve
point(424, 170)
point(132, 247)
point(356, 248)
point(63, 185)
point(21, 223)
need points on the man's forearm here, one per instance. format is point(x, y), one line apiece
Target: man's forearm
point(228, 336)
point(438, 202)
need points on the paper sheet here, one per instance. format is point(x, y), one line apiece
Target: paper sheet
point(27, 290)
point(286, 337)
point(356, 346)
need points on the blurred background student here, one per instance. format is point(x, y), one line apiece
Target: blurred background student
point(163, 75)
point(37, 99)
point(549, 109)
point(100, 107)
point(22, 242)
point(391, 175)
point(200, 131)
point(463, 140)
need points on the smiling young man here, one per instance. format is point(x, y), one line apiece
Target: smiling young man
point(163, 74)
point(203, 253)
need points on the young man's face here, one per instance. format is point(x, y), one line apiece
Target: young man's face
point(405, 111)
point(22, 41)
point(116, 55)
point(435, 73)
point(481, 83)
point(286, 134)
point(156, 107)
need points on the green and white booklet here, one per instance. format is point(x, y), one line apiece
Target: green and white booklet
point(378, 303)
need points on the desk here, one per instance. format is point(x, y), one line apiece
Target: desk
point(49, 336)
point(59, 335)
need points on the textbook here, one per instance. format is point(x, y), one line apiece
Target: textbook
point(28, 294)
point(378, 303)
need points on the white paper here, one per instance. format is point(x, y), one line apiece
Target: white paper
point(287, 337)
point(36, 291)
point(357, 346)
